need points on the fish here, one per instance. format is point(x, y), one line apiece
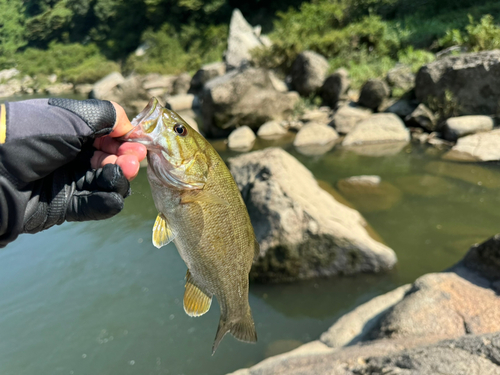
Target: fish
point(201, 210)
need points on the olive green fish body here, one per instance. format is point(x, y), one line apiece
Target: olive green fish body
point(202, 211)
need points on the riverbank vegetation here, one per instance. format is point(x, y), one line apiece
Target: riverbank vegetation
point(81, 41)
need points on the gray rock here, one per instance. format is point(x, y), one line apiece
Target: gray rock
point(158, 85)
point(483, 146)
point(246, 97)
point(241, 139)
point(191, 121)
point(456, 127)
point(181, 84)
point(302, 230)
point(241, 41)
point(473, 80)
point(401, 77)
point(105, 88)
point(271, 130)
point(278, 84)
point(402, 108)
point(335, 87)
point(354, 326)
point(346, 118)
point(321, 115)
point(7, 74)
point(378, 128)
point(12, 87)
point(308, 72)
point(315, 139)
point(52, 78)
point(84, 88)
point(422, 117)
point(373, 93)
point(181, 102)
point(59, 88)
point(205, 74)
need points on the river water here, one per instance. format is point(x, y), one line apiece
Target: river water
point(98, 298)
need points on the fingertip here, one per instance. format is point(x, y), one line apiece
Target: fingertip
point(130, 166)
point(122, 125)
point(132, 148)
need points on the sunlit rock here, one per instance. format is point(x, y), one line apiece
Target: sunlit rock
point(456, 127)
point(241, 139)
point(483, 146)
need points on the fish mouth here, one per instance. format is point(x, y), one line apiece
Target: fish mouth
point(151, 112)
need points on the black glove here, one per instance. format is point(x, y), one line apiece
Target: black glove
point(45, 172)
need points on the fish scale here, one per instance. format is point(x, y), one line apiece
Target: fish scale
point(201, 210)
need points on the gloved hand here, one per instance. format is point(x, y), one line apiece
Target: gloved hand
point(59, 162)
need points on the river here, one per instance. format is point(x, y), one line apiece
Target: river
point(98, 298)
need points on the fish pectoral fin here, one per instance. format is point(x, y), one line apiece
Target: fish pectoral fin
point(202, 196)
point(196, 302)
point(162, 234)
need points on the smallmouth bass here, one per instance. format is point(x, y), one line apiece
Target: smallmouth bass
point(201, 210)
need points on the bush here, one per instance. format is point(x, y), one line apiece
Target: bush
point(481, 36)
point(415, 58)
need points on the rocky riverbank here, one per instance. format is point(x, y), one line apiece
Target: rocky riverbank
point(444, 323)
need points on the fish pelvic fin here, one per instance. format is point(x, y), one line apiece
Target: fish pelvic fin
point(162, 234)
point(196, 302)
point(242, 329)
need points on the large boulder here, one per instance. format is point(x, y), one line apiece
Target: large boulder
point(205, 74)
point(483, 146)
point(244, 97)
point(302, 230)
point(158, 85)
point(308, 72)
point(347, 117)
point(335, 87)
point(378, 128)
point(242, 39)
point(456, 127)
point(473, 79)
point(106, 88)
point(401, 77)
point(422, 117)
point(444, 323)
point(373, 93)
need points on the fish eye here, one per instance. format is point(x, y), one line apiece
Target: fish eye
point(180, 129)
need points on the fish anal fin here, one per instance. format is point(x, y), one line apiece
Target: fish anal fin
point(162, 234)
point(203, 196)
point(196, 302)
point(242, 329)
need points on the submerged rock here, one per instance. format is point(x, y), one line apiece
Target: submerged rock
point(473, 79)
point(308, 72)
point(477, 147)
point(241, 139)
point(424, 185)
point(378, 128)
point(456, 127)
point(473, 174)
point(302, 230)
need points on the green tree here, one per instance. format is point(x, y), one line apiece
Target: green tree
point(11, 29)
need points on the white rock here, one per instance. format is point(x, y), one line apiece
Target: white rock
point(477, 147)
point(315, 134)
point(346, 118)
point(7, 74)
point(456, 127)
point(241, 139)
point(378, 128)
point(241, 40)
point(271, 130)
point(181, 102)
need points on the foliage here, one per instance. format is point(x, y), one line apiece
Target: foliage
point(481, 36)
point(11, 30)
point(415, 58)
point(444, 107)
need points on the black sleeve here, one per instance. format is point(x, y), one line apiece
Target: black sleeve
point(38, 137)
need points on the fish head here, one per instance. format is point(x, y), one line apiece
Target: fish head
point(175, 150)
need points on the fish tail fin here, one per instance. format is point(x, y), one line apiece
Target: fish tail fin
point(242, 329)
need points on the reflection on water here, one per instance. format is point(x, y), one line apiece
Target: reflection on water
point(98, 298)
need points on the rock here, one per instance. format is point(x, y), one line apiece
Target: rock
point(308, 72)
point(241, 139)
point(181, 84)
point(422, 117)
point(321, 115)
point(158, 85)
point(12, 87)
point(315, 139)
point(302, 230)
point(473, 79)
point(477, 147)
point(241, 41)
point(352, 327)
point(191, 121)
point(52, 78)
point(104, 89)
point(401, 77)
point(277, 83)
point(182, 102)
point(378, 128)
point(373, 93)
point(424, 185)
point(470, 173)
point(83, 88)
point(59, 88)
point(205, 74)
point(247, 97)
point(369, 193)
point(377, 149)
point(335, 87)
point(346, 118)
point(402, 108)
point(266, 41)
point(271, 130)
point(281, 346)
point(7, 74)
point(456, 127)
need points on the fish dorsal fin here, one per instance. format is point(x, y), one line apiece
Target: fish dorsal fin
point(162, 234)
point(196, 303)
point(202, 196)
